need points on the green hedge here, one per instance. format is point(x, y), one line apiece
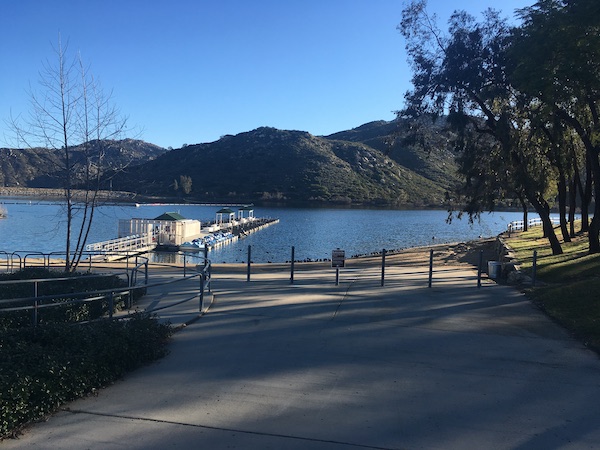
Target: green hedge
point(41, 368)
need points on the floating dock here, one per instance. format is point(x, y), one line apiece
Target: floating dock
point(218, 235)
point(172, 232)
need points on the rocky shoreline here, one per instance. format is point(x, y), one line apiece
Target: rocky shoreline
point(47, 193)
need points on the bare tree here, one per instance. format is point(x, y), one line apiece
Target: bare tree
point(70, 110)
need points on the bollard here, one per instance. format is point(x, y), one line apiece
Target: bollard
point(208, 275)
point(249, 258)
point(292, 265)
point(534, 268)
point(479, 268)
point(430, 267)
point(201, 300)
point(383, 267)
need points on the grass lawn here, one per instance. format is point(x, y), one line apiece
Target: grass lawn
point(568, 287)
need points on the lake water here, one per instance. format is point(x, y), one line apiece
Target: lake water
point(314, 232)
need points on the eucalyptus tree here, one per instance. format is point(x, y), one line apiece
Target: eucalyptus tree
point(462, 74)
point(556, 60)
point(69, 111)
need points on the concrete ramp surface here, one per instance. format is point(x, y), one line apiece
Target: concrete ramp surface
point(318, 366)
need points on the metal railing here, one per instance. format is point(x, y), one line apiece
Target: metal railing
point(518, 225)
point(19, 260)
point(123, 244)
point(135, 273)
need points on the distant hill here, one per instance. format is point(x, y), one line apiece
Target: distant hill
point(287, 166)
point(41, 168)
point(434, 160)
point(378, 163)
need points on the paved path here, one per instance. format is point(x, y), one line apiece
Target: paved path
point(319, 366)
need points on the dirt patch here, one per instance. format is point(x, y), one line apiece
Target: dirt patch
point(469, 252)
point(463, 253)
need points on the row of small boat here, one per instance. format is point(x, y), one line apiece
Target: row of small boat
point(207, 241)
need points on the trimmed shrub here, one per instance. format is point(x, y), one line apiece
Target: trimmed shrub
point(42, 368)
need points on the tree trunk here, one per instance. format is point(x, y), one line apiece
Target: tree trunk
point(525, 209)
point(562, 205)
point(586, 196)
point(594, 229)
point(593, 232)
point(572, 203)
point(543, 209)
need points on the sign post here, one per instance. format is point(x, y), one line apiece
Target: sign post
point(338, 259)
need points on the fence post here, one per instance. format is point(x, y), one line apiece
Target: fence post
point(201, 303)
point(249, 258)
point(534, 268)
point(430, 267)
point(292, 265)
point(479, 268)
point(208, 274)
point(383, 252)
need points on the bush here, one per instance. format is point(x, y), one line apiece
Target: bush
point(42, 368)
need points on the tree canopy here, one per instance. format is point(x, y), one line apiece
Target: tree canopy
point(522, 101)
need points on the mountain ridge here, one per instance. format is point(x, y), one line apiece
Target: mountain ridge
point(267, 165)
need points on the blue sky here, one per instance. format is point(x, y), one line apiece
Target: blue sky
point(190, 71)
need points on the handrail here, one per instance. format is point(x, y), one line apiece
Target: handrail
point(22, 259)
point(202, 271)
point(127, 243)
point(43, 280)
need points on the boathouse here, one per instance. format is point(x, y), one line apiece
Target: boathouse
point(168, 229)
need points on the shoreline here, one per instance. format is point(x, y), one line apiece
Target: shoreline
point(57, 194)
point(133, 197)
point(454, 253)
